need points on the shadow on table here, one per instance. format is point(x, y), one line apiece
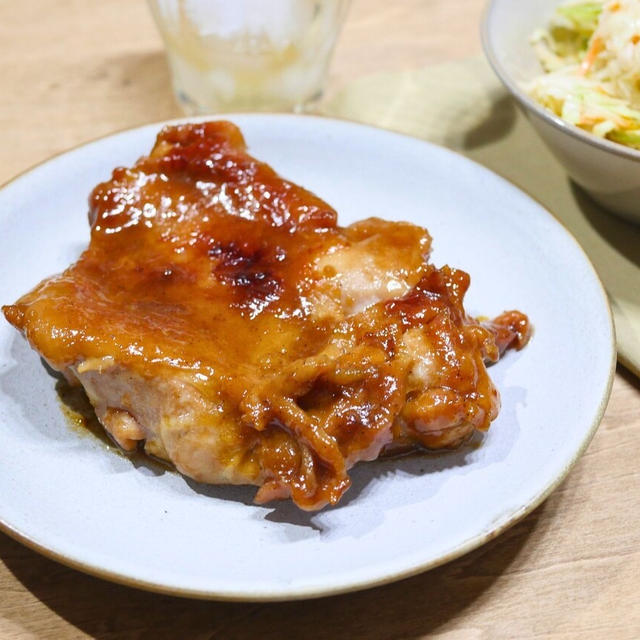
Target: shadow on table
point(630, 377)
point(410, 608)
point(497, 124)
point(622, 236)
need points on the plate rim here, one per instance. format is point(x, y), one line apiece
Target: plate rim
point(475, 541)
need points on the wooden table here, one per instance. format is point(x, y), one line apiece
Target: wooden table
point(73, 70)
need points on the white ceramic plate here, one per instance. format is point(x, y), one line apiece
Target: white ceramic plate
point(72, 499)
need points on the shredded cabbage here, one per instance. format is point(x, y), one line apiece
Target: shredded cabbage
point(582, 15)
point(590, 52)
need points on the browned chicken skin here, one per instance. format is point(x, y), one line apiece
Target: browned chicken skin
point(221, 316)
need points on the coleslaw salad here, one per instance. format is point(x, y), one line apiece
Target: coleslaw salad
point(590, 52)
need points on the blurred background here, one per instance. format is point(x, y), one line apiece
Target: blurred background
point(117, 76)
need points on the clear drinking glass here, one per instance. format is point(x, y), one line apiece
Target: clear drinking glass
point(248, 55)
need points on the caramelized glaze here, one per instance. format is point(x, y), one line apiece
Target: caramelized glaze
point(214, 289)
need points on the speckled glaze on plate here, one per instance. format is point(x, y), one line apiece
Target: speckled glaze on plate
point(133, 522)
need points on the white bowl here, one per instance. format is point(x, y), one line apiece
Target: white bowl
point(608, 171)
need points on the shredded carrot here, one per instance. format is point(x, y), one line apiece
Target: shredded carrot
point(596, 47)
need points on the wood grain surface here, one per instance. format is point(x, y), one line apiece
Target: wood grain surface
point(73, 70)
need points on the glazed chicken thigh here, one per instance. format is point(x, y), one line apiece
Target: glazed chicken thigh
point(221, 319)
